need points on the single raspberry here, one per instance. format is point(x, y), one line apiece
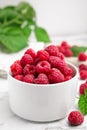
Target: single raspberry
point(60, 55)
point(31, 52)
point(65, 49)
point(55, 76)
point(29, 69)
point(65, 44)
point(66, 71)
point(62, 49)
point(68, 52)
point(83, 74)
point(56, 62)
point(82, 67)
point(19, 77)
point(41, 79)
point(26, 59)
point(52, 50)
point(82, 88)
point(75, 118)
point(16, 69)
point(43, 55)
point(43, 67)
point(29, 78)
point(82, 56)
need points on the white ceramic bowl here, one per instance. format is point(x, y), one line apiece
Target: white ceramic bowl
point(42, 102)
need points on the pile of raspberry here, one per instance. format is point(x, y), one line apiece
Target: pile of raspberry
point(45, 66)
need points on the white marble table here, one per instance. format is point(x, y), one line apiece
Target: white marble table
point(9, 121)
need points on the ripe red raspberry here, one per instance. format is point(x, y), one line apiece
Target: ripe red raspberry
point(31, 52)
point(60, 55)
point(19, 77)
point(61, 65)
point(29, 69)
point(82, 56)
point(68, 78)
point(16, 69)
point(52, 50)
point(26, 59)
point(54, 61)
point(82, 67)
point(43, 55)
point(67, 71)
point(65, 44)
point(62, 49)
point(65, 49)
point(41, 79)
point(83, 74)
point(68, 52)
point(55, 76)
point(82, 88)
point(75, 118)
point(29, 78)
point(43, 67)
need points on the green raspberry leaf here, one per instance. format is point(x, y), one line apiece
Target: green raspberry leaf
point(77, 49)
point(14, 39)
point(16, 24)
point(41, 35)
point(26, 10)
point(82, 103)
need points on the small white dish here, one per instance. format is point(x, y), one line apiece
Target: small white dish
point(42, 103)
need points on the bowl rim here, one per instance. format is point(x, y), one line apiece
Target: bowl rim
point(46, 85)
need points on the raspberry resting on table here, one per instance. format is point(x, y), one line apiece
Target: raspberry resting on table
point(82, 56)
point(82, 67)
point(82, 88)
point(83, 74)
point(75, 118)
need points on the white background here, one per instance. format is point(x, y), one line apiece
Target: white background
point(59, 17)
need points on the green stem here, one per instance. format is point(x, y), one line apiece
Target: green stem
point(12, 21)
